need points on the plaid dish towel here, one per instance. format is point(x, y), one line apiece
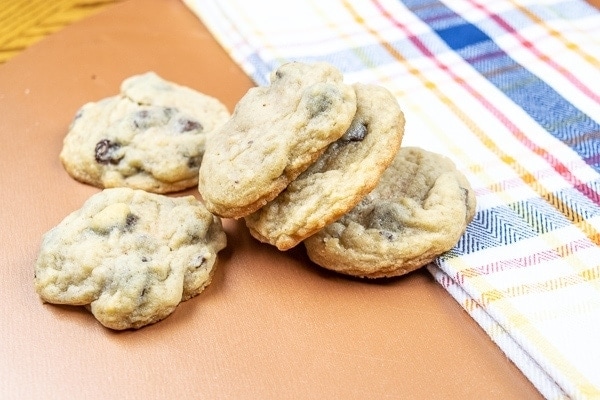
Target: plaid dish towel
point(508, 89)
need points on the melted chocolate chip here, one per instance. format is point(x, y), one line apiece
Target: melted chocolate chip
point(356, 132)
point(384, 217)
point(105, 152)
point(319, 104)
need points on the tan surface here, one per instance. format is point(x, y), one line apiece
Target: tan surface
point(270, 326)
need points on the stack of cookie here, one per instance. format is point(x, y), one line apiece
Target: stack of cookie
point(311, 159)
point(307, 158)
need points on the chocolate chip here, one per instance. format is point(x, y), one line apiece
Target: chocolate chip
point(142, 119)
point(385, 218)
point(146, 118)
point(187, 125)
point(356, 132)
point(168, 111)
point(319, 104)
point(388, 235)
point(194, 162)
point(105, 152)
point(198, 262)
point(130, 222)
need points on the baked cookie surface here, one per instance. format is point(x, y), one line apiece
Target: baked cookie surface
point(274, 134)
point(129, 256)
point(348, 170)
point(151, 136)
point(419, 209)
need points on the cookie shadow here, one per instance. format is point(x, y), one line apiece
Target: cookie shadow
point(299, 253)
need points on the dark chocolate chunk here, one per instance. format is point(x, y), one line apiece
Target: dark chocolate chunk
point(356, 132)
point(385, 218)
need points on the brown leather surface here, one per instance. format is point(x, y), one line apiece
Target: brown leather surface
point(271, 325)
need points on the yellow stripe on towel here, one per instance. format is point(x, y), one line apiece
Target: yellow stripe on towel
point(25, 22)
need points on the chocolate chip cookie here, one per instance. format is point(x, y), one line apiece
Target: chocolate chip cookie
point(347, 171)
point(419, 209)
point(151, 136)
point(275, 133)
point(129, 256)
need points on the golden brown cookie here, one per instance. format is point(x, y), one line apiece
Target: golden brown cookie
point(151, 136)
point(275, 133)
point(130, 256)
point(348, 170)
point(419, 209)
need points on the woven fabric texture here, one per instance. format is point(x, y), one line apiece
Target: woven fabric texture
point(25, 22)
point(508, 89)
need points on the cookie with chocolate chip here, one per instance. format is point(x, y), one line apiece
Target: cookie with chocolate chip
point(347, 171)
point(275, 133)
point(419, 210)
point(151, 136)
point(129, 256)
